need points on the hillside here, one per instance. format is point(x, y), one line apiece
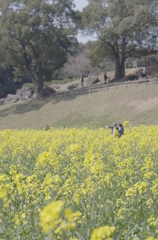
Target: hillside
point(138, 104)
point(63, 87)
point(63, 84)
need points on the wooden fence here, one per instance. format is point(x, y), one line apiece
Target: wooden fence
point(105, 87)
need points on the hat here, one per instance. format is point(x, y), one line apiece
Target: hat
point(114, 123)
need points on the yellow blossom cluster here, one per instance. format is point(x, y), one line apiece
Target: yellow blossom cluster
point(79, 184)
point(102, 233)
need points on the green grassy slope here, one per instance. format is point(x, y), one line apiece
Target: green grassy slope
point(138, 104)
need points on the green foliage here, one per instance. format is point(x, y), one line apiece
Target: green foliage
point(122, 28)
point(101, 57)
point(7, 83)
point(35, 37)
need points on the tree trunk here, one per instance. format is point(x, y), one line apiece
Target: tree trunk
point(122, 67)
point(119, 68)
point(120, 60)
point(39, 83)
point(39, 90)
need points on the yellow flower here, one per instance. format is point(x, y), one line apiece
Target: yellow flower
point(100, 233)
point(49, 215)
point(68, 214)
point(23, 215)
point(151, 238)
point(67, 225)
point(90, 171)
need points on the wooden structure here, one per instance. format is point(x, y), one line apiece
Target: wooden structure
point(102, 87)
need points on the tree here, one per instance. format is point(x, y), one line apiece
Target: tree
point(8, 85)
point(123, 28)
point(78, 65)
point(35, 37)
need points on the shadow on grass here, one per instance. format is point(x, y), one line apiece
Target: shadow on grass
point(21, 108)
point(71, 96)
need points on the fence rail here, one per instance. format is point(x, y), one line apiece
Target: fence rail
point(101, 87)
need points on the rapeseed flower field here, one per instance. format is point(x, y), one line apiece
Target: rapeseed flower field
point(79, 184)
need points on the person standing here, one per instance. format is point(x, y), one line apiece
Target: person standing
point(115, 130)
point(82, 80)
point(144, 72)
point(20, 93)
point(105, 77)
point(31, 91)
point(121, 130)
point(47, 128)
point(141, 73)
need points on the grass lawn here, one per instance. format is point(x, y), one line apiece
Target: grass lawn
point(138, 104)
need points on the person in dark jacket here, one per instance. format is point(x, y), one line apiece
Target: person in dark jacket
point(121, 130)
point(82, 80)
point(105, 77)
point(47, 128)
point(141, 73)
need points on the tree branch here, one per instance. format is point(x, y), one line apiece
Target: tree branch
point(36, 54)
point(112, 47)
point(12, 50)
point(12, 66)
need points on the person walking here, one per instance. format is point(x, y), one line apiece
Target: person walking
point(105, 77)
point(82, 80)
point(121, 130)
